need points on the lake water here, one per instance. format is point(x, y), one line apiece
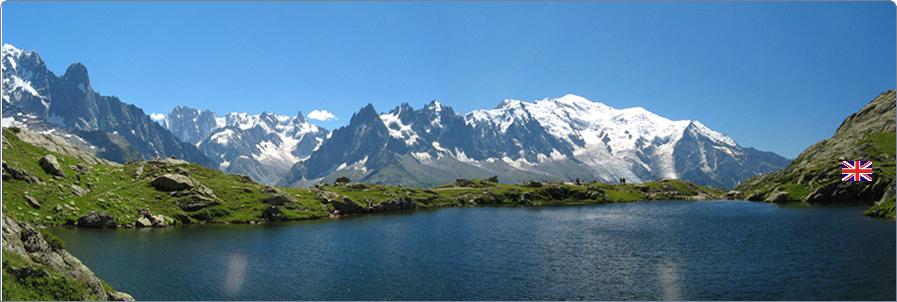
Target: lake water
point(646, 251)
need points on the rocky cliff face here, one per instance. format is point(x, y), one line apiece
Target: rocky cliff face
point(815, 177)
point(41, 268)
point(118, 131)
point(261, 146)
point(552, 139)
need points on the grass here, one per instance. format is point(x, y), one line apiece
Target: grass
point(883, 143)
point(883, 209)
point(120, 191)
point(24, 280)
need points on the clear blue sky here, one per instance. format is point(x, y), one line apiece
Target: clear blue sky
point(775, 76)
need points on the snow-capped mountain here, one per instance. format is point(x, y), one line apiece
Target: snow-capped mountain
point(34, 97)
point(560, 139)
point(261, 146)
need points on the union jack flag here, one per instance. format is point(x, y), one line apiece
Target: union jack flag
point(856, 170)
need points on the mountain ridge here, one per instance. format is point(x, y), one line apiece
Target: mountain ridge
point(116, 130)
point(550, 139)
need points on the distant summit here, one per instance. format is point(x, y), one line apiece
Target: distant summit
point(36, 98)
point(551, 139)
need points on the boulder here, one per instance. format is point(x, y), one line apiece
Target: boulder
point(51, 165)
point(78, 190)
point(327, 197)
point(733, 194)
point(341, 180)
point(138, 172)
point(777, 196)
point(143, 222)
point(278, 200)
point(347, 206)
point(173, 182)
point(32, 202)
point(493, 179)
point(272, 213)
point(158, 220)
point(96, 220)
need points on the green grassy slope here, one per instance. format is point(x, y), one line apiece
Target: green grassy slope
point(120, 191)
point(815, 175)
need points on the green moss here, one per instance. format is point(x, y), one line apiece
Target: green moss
point(883, 209)
point(24, 280)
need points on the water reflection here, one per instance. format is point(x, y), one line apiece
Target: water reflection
point(668, 273)
point(236, 273)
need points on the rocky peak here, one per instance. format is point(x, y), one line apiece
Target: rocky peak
point(367, 114)
point(77, 75)
point(877, 116)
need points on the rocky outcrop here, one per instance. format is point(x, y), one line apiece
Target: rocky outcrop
point(78, 190)
point(173, 182)
point(32, 202)
point(392, 205)
point(194, 203)
point(839, 191)
point(272, 213)
point(777, 197)
point(51, 165)
point(814, 176)
point(45, 257)
point(96, 220)
point(345, 205)
point(146, 219)
point(278, 200)
point(18, 174)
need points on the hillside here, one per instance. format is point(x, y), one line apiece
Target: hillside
point(814, 176)
point(88, 192)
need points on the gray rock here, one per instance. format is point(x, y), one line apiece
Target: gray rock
point(96, 220)
point(51, 165)
point(32, 202)
point(734, 194)
point(347, 206)
point(159, 220)
point(77, 190)
point(13, 173)
point(138, 172)
point(777, 196)
point(272, 213)
point(278, 200)
point(173, 182)
point(143, 222)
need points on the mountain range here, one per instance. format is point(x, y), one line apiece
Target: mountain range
point(561, 138)
point(262, 146)
point(564, 138)
point(34, 96)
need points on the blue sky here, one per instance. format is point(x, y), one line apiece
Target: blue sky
point(775, 76)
